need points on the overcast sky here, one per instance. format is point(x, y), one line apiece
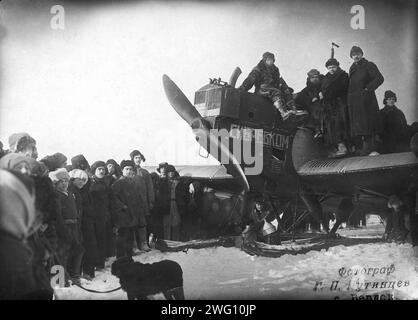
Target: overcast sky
point(95, 87)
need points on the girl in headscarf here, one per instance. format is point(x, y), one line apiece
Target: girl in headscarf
point(16, 162)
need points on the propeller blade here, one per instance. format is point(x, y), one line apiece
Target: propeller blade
point(211, 143)
point(179, 101)
point(188, 112)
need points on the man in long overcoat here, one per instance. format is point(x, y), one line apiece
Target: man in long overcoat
point(364, 79)
point(334, 92)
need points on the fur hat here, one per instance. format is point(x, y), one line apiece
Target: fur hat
point(171, 168)
point(59, 174)
point(11, 160)
point(116, 166)
point(135, 153)
point(79, 162)
point(55, 161)
point(17, 205)
point(38, 168)
point(96, 165)
point(112, 161)
point(20, 141)
point(389, 94)
point(355, 49)
point(268, 55)
point(78, 174)
point(313, 72)
point(332, 62)
point(126, 163)
point(162, 165)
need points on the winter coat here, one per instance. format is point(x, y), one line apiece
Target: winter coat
point(146, 188)
point(264, 76)
point(47, 202)
point(334, 90)
point(17, 279)
point(162, 197)
point(69, 210)
point(102, 197)
point(87, 201)
point(363, 108)
point(182, 196)
point(131, 211)
point(303, 101)
point(394, 133)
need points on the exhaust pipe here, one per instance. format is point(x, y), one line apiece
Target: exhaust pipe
point(234, 77)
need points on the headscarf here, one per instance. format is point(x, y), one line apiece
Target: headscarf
point(11, 160)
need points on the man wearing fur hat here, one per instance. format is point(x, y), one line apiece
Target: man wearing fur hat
point(363, 109)
point(394, 136)
point(55, 161)
point(103, 203)
point(334, 93)
point(70, 251)
point(309, 99)
point(129, 210)
point(268, 82)
point(80, 162)
point(143, 180)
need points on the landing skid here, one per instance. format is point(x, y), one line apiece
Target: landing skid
point(302, 243)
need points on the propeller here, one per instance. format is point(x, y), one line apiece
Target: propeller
point(200, 127)
point(179, 102)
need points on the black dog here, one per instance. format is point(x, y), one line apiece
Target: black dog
point(139, 280)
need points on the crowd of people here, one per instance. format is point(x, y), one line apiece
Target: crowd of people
point(76, 215)
point(341, 107)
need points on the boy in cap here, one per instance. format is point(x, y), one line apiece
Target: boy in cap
point(394, 135)
point(363, 109)
point(70, 250)
point(179, 197)
point(143, 180)
point(129, 210)
point(268, 82)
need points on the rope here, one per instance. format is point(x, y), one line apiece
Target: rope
point(95, 291)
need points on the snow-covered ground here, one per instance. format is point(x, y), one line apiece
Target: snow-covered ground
point(229, 273)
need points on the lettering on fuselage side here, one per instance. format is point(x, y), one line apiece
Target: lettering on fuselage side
point(272, 139)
